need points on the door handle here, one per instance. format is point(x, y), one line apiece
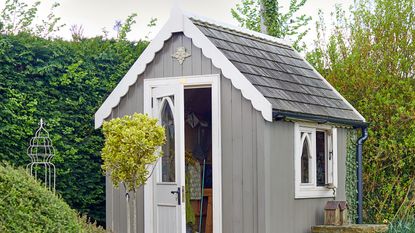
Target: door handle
point(178, 195)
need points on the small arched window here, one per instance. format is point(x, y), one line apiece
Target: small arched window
point(168, 160)
point(315, 160)
point(306, 158)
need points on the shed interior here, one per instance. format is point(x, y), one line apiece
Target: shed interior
point(198, 159)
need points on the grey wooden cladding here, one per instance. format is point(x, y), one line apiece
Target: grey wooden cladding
point(163, 65)
point(257, 157)
point(286, 213)
point(239, 161)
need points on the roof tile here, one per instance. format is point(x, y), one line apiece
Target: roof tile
point(279, 73)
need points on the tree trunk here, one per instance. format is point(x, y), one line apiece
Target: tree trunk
point(262, 13)
point(127, 197)
point(134, 212)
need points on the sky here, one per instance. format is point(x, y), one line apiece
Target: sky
point(94, 15)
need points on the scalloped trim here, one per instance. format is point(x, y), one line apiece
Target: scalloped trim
point(180, 23)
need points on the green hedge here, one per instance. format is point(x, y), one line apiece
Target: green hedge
point(27, 206)
point(63, 82)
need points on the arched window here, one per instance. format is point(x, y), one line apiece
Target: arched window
point(168, 161)
point(306, 159)
point(315, 160)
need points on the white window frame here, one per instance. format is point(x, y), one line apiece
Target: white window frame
point(311, 190)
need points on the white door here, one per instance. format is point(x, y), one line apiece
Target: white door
point(168, 178)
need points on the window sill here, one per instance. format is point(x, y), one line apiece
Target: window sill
point(314, 192)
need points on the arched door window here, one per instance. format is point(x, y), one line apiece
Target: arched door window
point(168, 159)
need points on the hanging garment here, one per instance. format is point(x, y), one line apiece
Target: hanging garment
point(194, 179)
point(201, 149)
point(192, 119)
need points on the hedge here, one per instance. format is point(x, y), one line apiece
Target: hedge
point(63, 82)
point(27, 206)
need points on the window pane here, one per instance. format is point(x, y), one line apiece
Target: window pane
point(321, 158)
point(168, 159)
point(305, 162)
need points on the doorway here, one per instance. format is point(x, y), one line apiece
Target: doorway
point(198, 159)
point(184, 195)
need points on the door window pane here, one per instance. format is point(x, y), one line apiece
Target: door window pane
point(321, 158)
point(168, 160)
point(305, 160)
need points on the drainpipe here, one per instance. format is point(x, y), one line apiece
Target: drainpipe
point(359, 158)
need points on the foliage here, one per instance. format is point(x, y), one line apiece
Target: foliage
point(27, 206)
point(351, 178)
point(369, 59)
point(131, 145)
point(266, 16)
point(17, 17)
point(125, 28)
point(64, 83)
point(402, 226)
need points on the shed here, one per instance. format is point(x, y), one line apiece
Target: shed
point(265, 130)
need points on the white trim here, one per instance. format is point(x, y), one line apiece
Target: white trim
point(212, 81)
point(180, 23)
point(311, 190)
point(148, 187)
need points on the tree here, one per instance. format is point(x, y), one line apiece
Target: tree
point(131, 148)
point(369, 57)
point(266, 16)
point(17, 17)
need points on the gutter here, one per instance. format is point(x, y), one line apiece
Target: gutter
point(282, 115)
point(359, 171)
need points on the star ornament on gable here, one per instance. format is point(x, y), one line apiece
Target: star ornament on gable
point(181, 54)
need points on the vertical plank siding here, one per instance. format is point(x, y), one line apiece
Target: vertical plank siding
point(286, 213)
point(227, 156)
point(257, 157)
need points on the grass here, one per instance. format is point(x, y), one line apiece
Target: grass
point(402, 226)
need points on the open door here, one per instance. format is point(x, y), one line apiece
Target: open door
point(165, 192)
point(168, 177)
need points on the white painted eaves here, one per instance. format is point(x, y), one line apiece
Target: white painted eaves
point(178, 22)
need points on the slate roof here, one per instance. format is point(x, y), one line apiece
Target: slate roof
point(288, 82)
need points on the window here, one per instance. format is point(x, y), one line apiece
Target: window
point(306, 158)
point(315, 160)
point(168, 161)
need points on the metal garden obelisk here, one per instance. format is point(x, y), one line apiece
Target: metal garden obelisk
point(41, 152)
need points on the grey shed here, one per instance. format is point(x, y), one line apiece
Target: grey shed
point(278, 129)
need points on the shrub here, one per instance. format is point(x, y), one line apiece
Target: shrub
point(131, 146)
point(27, 206)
